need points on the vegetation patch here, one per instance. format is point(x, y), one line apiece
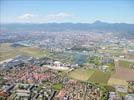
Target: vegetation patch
point(7, 51)
point(81, 74)
point(113, 81)
point(57, 86)
point(33, 51)
point(100, 77)
point(126, 64)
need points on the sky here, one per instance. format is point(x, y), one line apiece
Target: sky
point(60, 11)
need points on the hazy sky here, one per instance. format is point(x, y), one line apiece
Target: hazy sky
point(85, 11)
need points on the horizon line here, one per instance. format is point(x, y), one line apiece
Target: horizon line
point(97, 21)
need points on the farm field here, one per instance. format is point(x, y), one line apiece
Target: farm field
point(90, 75)
point(7, 51)
point(33, 51)
point(99, 77)
point(116, 81)
point(126, 64)
point(81, 74)
point(124, 73)
point(131, 56)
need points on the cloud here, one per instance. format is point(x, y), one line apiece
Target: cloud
point(53, 17)
point(59, 15)
point(26, 16)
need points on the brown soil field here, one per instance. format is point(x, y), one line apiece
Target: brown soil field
point(124, 73)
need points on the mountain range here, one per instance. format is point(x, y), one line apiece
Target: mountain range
point(54, 27)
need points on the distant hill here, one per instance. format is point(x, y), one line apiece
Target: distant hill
point(96, 26)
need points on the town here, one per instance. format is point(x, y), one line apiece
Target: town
point(66, 49)
point(69, 74)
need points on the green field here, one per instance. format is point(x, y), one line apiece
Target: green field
point(33, 51)
point(57, 86)
point(81, 74)
point(6, 51)
point(100, 77)
point(90, 75)
point(126, 64)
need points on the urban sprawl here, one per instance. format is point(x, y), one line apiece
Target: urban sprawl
point(66, 66)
